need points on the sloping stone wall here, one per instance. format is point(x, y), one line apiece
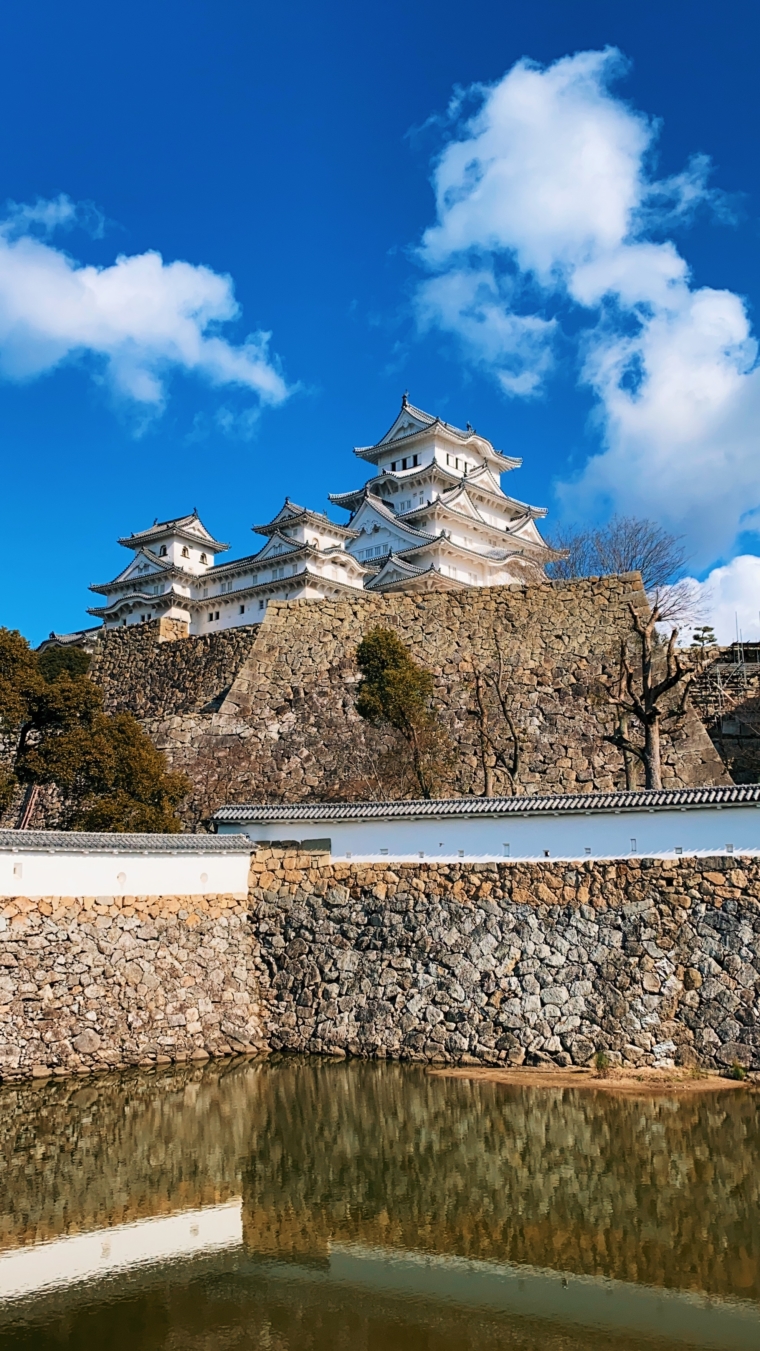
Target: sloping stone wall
point(142, 673)
point(653, 962)
point(91, 982)
point(286, 728)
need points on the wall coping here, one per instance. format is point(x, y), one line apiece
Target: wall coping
point(735, 795)
point(90, 842)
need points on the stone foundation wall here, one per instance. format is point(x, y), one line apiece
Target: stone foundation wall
point(88, 983)
point(268, 712)
point(143, 671)
point(293, 700)
point(653, 962)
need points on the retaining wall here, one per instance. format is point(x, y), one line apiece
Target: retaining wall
point(92, 982)
point(654, 962)
point(268, 713)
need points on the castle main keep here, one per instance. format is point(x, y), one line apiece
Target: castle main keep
point(432, 517)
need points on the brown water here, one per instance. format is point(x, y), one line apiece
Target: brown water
point(302, 1206)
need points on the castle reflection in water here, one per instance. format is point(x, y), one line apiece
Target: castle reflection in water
point(324, 1199)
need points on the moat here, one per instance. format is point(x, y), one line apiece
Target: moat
point(301, 1205)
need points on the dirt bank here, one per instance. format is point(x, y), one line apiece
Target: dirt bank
point(629, 1082)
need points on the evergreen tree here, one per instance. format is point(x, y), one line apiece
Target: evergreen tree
point(110, 775)
point(396, 692)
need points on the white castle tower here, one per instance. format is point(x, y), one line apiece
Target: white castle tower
point(433, 516)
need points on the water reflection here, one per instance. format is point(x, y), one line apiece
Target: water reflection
point(300, 1204)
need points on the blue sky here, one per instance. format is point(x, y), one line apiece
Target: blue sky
point(566, 256)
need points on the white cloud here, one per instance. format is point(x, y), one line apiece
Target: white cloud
point(50, 214)
point(730, 599)
point(548, 187)
point(472, 303)
point(683, 446)
point(140, 318)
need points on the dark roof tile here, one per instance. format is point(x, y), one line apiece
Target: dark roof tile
point(735, 795)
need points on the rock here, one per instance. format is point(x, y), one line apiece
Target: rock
point(582, 1050)
point(538, 1058)
point(736, 1053)
point(87, 1043)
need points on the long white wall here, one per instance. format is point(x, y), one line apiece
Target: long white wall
point(662, 833)
point(67, 873)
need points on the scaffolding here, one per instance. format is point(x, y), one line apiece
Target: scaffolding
point(725, 683)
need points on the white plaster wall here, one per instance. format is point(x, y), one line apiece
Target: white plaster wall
point(105, 1252)
point(39, 873)
point(660, 834)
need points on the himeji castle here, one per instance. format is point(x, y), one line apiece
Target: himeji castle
point(433, 516)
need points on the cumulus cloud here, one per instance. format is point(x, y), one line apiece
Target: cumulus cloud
point(729, 598)
point(140, 318)
point(548, 186)
point(477, 306)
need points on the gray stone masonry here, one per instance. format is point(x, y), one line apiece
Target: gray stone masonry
point(655, 963)
point(268, 713)
point(92, 982)
point(141, 672)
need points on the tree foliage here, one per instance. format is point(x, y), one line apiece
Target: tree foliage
point(110, 775)
point(396, 692)
point(54, 660)
point(627, 544)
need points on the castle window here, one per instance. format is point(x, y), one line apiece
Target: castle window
point(162, 551)
point(393, 466)
point(204, 558)
point(414, 461)
point(261, 605)
point(404, 463)
point(242, 609)
point(185, 552)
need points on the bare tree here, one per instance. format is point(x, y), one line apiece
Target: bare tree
point(499, 743)
point(222, 772)
point(627, 544)
point(643, 695)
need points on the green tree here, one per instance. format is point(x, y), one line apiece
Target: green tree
point(54, 660)
point(702, 639)
point(110, 775)
point(20, 685)
point(395, 692)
